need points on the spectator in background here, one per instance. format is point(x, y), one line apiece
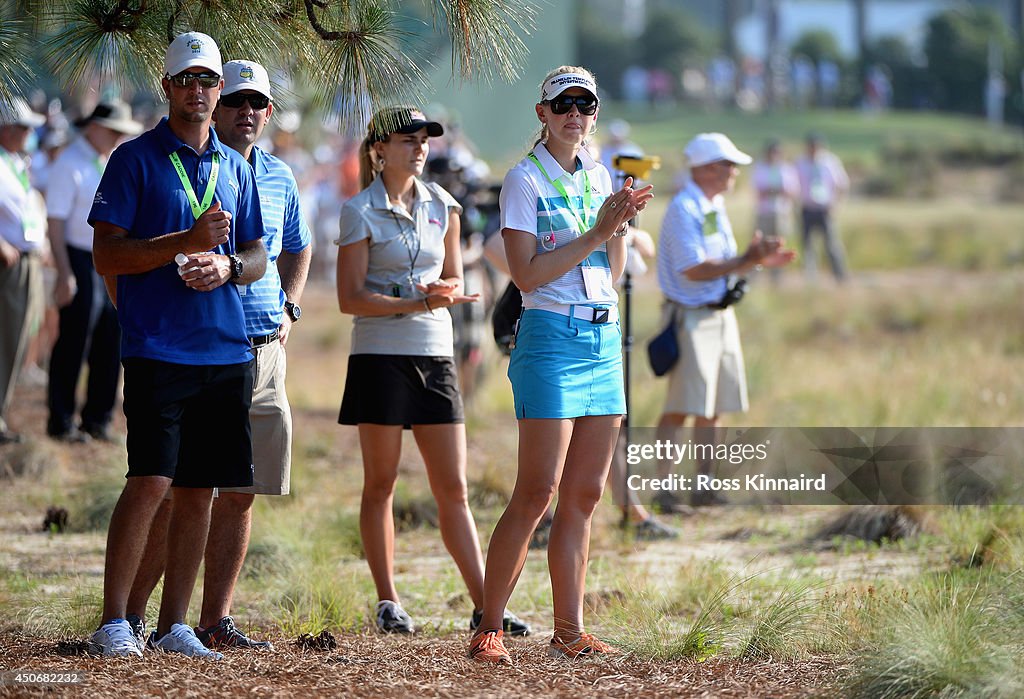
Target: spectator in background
point(803, 77)
point(828, 82)
point(777, 186)
point(697, 261)
point(823, 182)
point(88, 320)
point(22, 237)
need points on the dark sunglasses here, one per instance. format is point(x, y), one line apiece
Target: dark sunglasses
point(205, 80)
point(563, 104)
point(236, 99)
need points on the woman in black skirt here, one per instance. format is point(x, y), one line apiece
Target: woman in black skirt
point(399, 270)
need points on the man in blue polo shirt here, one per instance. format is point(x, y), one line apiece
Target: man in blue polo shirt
point(271, 307)
point(178, 224)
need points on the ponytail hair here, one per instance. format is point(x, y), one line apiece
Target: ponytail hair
point(369, 163)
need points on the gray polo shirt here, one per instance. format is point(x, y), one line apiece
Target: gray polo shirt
point(405, 249)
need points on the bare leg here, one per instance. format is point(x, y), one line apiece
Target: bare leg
point(230, 525)
point(624, 498)
point(186, 540)
point(381, 446)
point(668, 427)
point(704, 433)
point(126, 539)
point(444, 453)
point(543, 444)
point(583, 479)
point(153, 560)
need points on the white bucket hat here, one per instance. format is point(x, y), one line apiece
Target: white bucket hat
point(18, 113)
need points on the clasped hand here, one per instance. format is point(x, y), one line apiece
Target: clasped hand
point(442, 294)
point(205, 271)
point(622, 206)
point(769, 251)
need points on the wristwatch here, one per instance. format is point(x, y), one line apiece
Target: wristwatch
point(293, 310)
point(236, 266)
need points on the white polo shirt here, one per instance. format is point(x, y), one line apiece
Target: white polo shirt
point(22, 213)
point(74, 179)
point(530, 202)
point(695, 229)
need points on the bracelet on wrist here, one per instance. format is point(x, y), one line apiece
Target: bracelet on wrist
point(621, 231)
point(426, 304)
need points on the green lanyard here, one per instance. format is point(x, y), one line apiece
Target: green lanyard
point(193, 201)
point(21, 175)
point(581, 221)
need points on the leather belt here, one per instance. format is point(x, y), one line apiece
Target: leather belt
point(264, 340)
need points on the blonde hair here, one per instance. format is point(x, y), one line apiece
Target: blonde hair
point(543, 134)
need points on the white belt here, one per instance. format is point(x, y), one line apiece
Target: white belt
point(594, 315)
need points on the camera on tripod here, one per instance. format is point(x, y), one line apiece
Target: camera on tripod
point(733, 293)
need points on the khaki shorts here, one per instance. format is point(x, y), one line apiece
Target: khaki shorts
point(710, 378)
point(271, 421)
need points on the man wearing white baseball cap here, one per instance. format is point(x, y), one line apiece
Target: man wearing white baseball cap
point(177, 192)
point(699, 271)
point(271, 306)
point(22, 233)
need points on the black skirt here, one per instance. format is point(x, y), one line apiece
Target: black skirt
point(407, 390)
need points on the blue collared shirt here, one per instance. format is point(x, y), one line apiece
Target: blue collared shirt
point(160, 317)
point(284, 228)
point(694, 230)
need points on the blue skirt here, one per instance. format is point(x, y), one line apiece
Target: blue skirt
point(565, 367)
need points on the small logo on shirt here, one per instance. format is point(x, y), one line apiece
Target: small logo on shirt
point(233, 185)
point(710, 223)
point(435, 221)
point(98, 199)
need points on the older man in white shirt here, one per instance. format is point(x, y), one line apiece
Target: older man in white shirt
point(22, 234)
point(88, 320)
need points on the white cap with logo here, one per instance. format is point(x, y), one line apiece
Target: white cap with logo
point(708, 148)
point(192, 50)
point(245, 75)
point(559, 83)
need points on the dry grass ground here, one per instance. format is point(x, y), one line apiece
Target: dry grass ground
point(371, 666)
point(889, 347)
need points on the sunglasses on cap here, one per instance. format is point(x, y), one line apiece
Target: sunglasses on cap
point(236, 99)
point(206, 80)
point(563, 104)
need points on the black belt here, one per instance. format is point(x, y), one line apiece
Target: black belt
point(264, 340)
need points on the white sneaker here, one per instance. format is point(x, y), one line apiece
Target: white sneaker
point(115, 638)
point(182, 639)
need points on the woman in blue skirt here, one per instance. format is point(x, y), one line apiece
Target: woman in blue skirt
point(562, 226)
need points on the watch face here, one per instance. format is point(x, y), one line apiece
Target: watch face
point(293, 310)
